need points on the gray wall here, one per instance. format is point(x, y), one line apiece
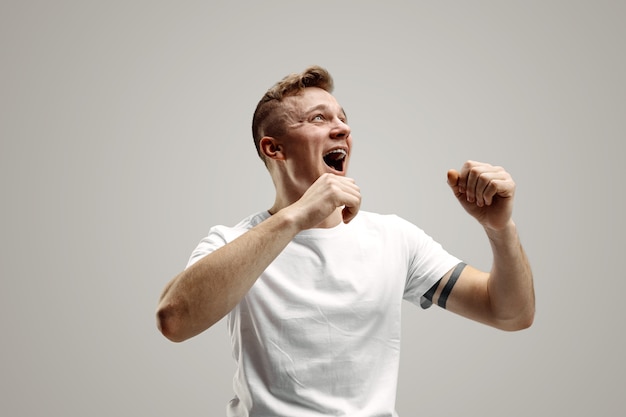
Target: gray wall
point(125, 135)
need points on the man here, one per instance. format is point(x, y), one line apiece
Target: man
point(313, 287)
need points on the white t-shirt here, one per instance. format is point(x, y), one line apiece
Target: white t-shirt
point(318, 334)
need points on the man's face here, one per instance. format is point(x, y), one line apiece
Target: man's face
point(317, 137)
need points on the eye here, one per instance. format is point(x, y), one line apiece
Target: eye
point(318, 117)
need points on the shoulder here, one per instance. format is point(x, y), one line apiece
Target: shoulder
point(252, 220)
point(224, 234)
point(246, 223)
point(219, 235)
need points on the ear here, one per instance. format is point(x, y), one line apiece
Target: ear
point(271, 148)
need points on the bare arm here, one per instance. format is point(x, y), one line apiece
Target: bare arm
point(504, 297)
point(202, 294)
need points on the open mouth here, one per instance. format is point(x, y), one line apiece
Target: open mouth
point(335, 159)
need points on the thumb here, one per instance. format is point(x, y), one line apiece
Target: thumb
point(453, 179)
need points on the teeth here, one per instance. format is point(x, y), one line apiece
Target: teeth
point(340, 151)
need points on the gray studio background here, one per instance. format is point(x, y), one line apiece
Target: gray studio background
point(125, 134)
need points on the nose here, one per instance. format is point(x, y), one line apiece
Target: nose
point(340, 130)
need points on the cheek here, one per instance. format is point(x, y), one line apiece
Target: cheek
point(311, 150)
point(305, 157)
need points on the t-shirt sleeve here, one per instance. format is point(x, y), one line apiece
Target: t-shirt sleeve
point(214, 240)
point(220, 235)
point(428, 263)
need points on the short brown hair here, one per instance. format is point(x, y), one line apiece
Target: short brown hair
point(268, 116)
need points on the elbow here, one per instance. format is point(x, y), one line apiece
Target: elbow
point(522, 324)
point(170, 323)
point(528, 319)
point(178, 322)
point(522, 321)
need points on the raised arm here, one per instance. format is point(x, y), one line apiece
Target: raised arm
point(504, 297)
point(205, 292)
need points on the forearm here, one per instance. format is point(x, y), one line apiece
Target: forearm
point(203, 293)
point(510, 286)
